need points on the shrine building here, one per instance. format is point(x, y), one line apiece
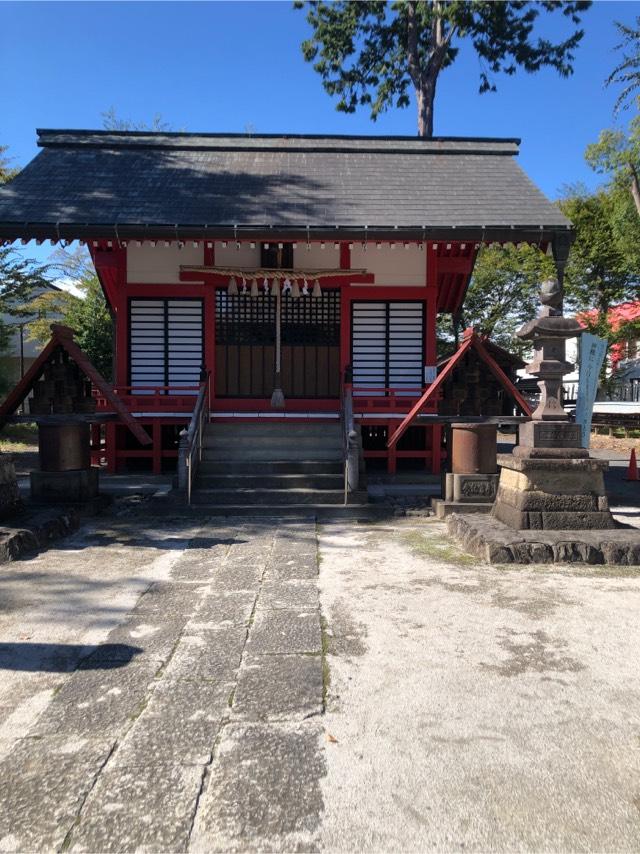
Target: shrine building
point(274, 268)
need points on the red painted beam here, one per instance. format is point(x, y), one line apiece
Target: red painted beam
point(502, 378)
point(429, 393)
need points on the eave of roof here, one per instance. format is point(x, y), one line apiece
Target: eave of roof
point(144, 185)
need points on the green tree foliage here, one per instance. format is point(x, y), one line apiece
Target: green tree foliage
point(601, 270)
point(7, 172)
point(617, 154)
point(627, 71)
point(503, 292)
point(374, 52)
point(20, 279)
point(88, 315)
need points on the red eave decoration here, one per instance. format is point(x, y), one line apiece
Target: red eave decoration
point(63, 337)
point(470, 340)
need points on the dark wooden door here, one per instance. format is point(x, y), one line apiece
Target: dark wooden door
point(246, 338)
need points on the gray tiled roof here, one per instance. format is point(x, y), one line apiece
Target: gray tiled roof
point(95, 178)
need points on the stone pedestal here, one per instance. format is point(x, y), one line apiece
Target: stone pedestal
point(472, 484)
point(75, 487)
point(552, 494)
point(9, 496)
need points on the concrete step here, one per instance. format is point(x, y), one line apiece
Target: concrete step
point(280, 428)
point(268, 467)
point(269, 442)
point(280, 497)
point(271, 455)
point(233, 480)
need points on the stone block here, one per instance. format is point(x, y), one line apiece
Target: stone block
point(98, 701)
point(285, 631)
point(550, 434)
point(575, 551)
point(179, 724)
point(213, 654)
point(555, 477)
point(570, 521)
point(474, 487)
point(44, 783)
point(535, 500)
point(288, 594)
point(65, 486)
point(516, 519)
point(139, 809)
point(279, 687)
point(265, 792)
point(442, 508)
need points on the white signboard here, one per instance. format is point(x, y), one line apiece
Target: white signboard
point(592, 353)
point(430, 374)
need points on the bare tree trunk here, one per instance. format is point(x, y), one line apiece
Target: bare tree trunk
point(635, 187)
point(424, 74)
point(425, 97)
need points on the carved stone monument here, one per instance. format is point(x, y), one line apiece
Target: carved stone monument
point(550, 482)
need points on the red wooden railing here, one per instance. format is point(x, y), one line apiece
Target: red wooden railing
point(153, 398)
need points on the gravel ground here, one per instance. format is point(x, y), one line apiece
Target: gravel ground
point(472, 708)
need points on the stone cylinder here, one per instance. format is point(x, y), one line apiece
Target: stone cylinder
point(64, 447)
point(474, 449)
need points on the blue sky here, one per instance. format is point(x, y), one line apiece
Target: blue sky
point(223, 66)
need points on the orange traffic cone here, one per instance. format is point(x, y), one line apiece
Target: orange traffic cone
point(632, 471)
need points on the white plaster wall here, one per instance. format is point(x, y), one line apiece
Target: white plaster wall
point(397, 266)
point(160, 264)
point(316, 258)
point(231, 256)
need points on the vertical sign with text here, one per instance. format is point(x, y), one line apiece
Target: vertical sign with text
point(592, 353)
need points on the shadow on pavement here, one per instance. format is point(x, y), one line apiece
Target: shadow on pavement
point(64, 657)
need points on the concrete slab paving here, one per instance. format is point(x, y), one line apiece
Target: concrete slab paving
point(141, 647)
point(250, 804)
point(279, 688)
point(44, 785)
point(284, 632)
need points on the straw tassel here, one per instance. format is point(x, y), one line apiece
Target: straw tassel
point(316, 293)
point(233, 287)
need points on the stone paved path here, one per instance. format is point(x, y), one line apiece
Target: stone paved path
point(195, 724)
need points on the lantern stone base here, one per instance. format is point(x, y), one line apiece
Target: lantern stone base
point(73, 487)
point(466, 493)
point(491, 541)
point(556, 493)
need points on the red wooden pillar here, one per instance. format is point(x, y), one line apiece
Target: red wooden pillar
point(391, 452)
point(210, 319)
point(431, 353)
point(345, 310)
point(157, 447)
point(110, 448)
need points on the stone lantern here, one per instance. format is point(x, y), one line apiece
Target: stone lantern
point(550, 482)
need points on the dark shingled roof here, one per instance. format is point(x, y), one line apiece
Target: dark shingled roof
point(85, 183)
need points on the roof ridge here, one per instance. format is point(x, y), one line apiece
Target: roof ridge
point(274, 136)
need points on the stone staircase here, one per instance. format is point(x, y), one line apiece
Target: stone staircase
point(256, 468)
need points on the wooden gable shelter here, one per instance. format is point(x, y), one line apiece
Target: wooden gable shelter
point(222, 254)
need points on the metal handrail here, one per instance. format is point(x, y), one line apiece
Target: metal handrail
point(347, 427)
point(190, 451)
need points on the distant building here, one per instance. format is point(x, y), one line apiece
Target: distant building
point(22, 349)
